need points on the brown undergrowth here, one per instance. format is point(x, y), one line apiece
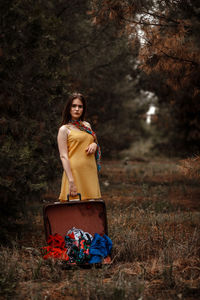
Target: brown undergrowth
point(153, 217)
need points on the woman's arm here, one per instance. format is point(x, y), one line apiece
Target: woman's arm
point(62, 146)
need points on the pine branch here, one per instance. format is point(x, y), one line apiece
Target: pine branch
point(180, 59)
point(173, 57)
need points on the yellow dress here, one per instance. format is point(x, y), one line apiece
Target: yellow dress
point(83, 166)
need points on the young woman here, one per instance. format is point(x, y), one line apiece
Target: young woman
point(79, 152)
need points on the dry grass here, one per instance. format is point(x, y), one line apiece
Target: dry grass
point(191, 167)
point(153, 216)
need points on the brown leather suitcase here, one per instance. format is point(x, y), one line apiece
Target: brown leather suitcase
point(90, 216)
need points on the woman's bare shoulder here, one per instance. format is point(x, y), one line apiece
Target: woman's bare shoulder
point(64, 129)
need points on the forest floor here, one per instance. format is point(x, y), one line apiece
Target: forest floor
point(153, 217)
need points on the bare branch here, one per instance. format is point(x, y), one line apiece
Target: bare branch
point(148, 24)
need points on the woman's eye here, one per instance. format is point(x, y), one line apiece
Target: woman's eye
point(79, 106)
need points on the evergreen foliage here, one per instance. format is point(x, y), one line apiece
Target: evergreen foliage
point(169, 56)
point(32, 73)
point(48, 50)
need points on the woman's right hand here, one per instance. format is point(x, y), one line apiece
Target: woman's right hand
point(72, 189)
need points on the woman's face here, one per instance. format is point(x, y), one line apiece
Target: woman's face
point(76, 109)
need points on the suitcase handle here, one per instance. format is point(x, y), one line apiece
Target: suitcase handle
point(79, 195)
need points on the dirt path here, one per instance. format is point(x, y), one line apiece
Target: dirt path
point(156, 180)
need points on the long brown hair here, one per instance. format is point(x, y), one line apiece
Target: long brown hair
point(66, 116)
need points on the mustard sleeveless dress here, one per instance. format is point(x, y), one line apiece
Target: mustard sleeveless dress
point(83, 167)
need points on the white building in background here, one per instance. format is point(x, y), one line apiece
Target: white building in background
point(150, 114)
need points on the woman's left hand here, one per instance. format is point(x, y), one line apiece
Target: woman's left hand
point(91, 148)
